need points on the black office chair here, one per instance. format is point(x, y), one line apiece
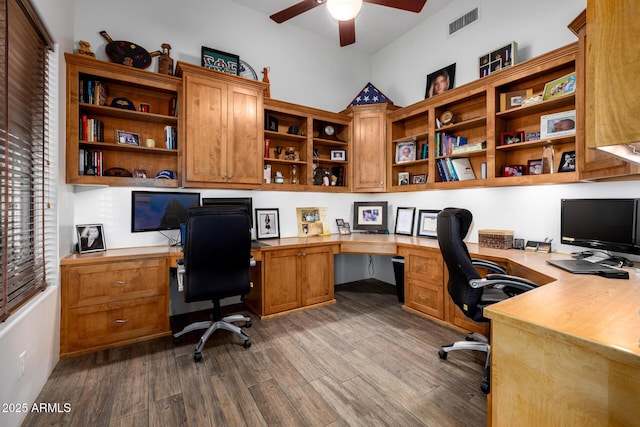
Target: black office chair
point(468, 290)
point(217, 264)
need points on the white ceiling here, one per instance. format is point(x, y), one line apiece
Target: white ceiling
point(376, 26)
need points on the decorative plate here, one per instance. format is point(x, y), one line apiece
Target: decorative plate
point(246, 71)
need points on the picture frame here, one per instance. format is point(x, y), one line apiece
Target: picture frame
point(567, 161)
point(370, 216)
point(532, 136)
point(404, 221)
point(514, 99)
point(403, 178)
point(513, 170)
point(90, 238)
point(440, 81)
point(271, 123)
point(562, 86)
point(419, 178)
point(427, 223)
point(345, 229)
point(218, 60)
point(534, 167)
point(405, 152)
point(508, 138)
point(126, 137)
point(339, 222)
point(267, 223)
point(340, 155)
point(500, 58)
point(558, 124)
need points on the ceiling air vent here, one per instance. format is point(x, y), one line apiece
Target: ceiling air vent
point(463, 21)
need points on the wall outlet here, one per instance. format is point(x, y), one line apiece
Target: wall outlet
point(22, 360)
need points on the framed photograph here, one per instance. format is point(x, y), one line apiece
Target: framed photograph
point(508, 138)
point(271, 123)
point(498, 59)
point(567, 162)
point(403, 178)
point(268, 223)
point(220, 61)
point(532, 136)
point(558, 124)
point(427, 223)
point(534, 167)
point(343, 227)
point(90, 238)
point(440, 81)
point(405, 152)
point(339, 222)
point(370, 216)
point(513, 170)
point(565, 85)
point(125, 137)
point(404, 221)
point(420, 178)
point(338, 155)
point(514, 99)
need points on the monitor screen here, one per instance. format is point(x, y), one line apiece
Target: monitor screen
point(605, 224)
point(153, 210)
point(246, 202)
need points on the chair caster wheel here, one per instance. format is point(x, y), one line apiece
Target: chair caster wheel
point(176, 340)
point(442, 354)
point(485, 387)
point(247, 343)
point(248, 324)
point(197, 357)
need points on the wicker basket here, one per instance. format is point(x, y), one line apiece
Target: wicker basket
point(498, 239)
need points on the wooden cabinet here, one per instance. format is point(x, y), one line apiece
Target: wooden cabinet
point(111, 303)
point(92, 129)
point(369, 158)
point(295, 278)
point(223, 129)
point(424, 289)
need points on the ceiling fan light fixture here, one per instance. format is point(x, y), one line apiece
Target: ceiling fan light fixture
point(344, 10)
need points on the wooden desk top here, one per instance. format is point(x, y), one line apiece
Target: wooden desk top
point(590, 310)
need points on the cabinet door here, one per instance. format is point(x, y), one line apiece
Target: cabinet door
point(317, 275)
point(206, 130)
point(245, 138)
point(369, 131)
point(282, 278)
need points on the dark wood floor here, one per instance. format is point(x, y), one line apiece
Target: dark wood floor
point(361, 362)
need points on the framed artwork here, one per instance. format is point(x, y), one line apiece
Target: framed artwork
point(312, 221)
point(220, 61)
point(404, 221)
point(268, 223)
point(558, 124)
point(338, 155)
point(513, 170)
point(403, 178)
point(440, 81)
point(498, 59)
point(90, 238)
point(564, 85)
point(534, 167)
point(343, 227)
point(370, 216)
point(427, 223)
point(125, 137)
point(508, 138)
point(532, 136)
point(567, 162)
point(271, 123)
point(420, 178)
point(405, 152)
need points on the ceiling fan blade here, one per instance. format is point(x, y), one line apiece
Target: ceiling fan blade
point(408, 5)
point(295, 10)
point(347, 32)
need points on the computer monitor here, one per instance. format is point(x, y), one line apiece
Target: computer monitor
point(246, 202)
point(155, 210)
point(603, 224)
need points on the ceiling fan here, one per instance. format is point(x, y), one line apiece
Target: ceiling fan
point(345, 11)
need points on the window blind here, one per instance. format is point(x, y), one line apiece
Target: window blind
point(24, 198)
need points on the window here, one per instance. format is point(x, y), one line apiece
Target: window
point(24, 52)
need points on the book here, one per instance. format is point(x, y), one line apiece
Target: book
point(475, 146)
point(463, 169)
point(452, 170)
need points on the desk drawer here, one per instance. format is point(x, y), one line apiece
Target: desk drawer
point(426, 298)
point(110, 282)
point(101, 325)
point(425, 266)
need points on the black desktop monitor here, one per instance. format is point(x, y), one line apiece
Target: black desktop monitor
point(246, 202)
point(602, 224)
point(155, 211)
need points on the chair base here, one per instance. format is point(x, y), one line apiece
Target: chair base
point(473, 341)
point(211, 326)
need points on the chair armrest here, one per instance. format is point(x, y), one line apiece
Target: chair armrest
point(252, 261)
point(181, 271)
point(504, 281)
point(488, 265)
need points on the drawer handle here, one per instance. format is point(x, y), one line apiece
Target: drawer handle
point(119, 282)
point(120, 321)
point(422, 296)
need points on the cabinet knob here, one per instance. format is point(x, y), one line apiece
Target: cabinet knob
point(304, 254)
point(120, 321)
point(119, 282)
point(381, 183)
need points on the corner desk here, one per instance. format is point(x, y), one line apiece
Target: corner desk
point(568, 351)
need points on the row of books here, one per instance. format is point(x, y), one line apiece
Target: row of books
point(91, 130)
point(93, 92)
point(171, 137)
point(90, 162)
point(446, 143)
point(455, 169)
